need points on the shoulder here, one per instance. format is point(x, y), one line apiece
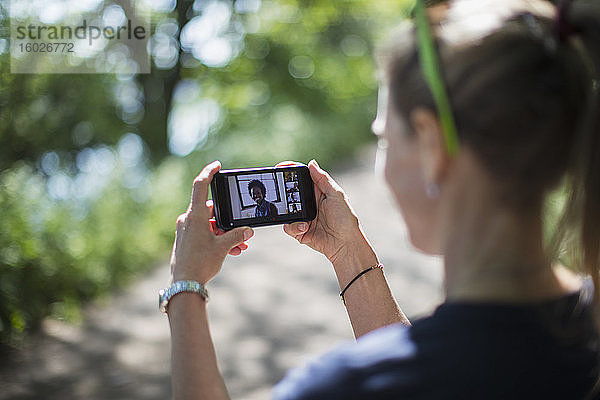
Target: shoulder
point(377, 360)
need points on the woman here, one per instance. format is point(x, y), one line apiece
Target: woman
point(522, 80)
point(258, 192)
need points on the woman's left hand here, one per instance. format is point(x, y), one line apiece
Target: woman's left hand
point(200, 247)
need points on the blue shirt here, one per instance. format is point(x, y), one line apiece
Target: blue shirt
point(263, 210)
point(544, 351)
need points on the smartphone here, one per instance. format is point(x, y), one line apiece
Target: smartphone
point(263, 196)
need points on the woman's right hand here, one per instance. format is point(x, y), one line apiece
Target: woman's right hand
point(335, 232)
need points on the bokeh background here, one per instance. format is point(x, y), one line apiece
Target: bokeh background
point(94, 168)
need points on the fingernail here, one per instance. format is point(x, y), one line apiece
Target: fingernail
point(302, 227)
point(316, 163)
point(248, 234)
point(213, 164)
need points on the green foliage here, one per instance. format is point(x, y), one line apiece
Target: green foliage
point(301, 85)
point(40, 113)
point(304, 86)
point(55, 254)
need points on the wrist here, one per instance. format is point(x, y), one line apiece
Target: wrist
point(186, 301)
point(183, 276)
point(199, 273)
point(178, 288)
point(352, 259)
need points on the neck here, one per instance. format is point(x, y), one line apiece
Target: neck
point(501, 258)
point(492, 252)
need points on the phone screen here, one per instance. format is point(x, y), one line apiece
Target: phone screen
point(263, 196)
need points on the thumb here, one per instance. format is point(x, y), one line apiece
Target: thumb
point(295, 229)
point(235, 237)
point(322, 179)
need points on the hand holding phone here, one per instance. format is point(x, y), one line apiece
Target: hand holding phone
point(200, 248)
point(335, 232)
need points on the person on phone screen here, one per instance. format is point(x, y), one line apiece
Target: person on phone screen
point(521, 80)
point(264, 208)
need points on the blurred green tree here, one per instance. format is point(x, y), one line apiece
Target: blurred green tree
point(94, 167)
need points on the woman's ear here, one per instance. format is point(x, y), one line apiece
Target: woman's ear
point(431, 145)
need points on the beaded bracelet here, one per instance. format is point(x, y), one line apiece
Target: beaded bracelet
point(380, 266)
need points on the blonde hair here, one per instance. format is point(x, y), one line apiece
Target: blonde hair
point(525, 101)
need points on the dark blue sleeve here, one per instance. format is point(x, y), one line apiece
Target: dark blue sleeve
point(376, 362)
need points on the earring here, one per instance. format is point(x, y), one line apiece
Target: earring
point(432, 190)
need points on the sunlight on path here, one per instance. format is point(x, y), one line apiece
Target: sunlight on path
point(271, 309)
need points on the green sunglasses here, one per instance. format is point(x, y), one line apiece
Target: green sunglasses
point(431, 70)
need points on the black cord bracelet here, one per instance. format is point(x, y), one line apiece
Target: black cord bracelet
point(380, 266)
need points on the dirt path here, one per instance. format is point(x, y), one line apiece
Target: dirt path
point(270, 310)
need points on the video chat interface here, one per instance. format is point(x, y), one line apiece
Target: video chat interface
point(282, 190)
